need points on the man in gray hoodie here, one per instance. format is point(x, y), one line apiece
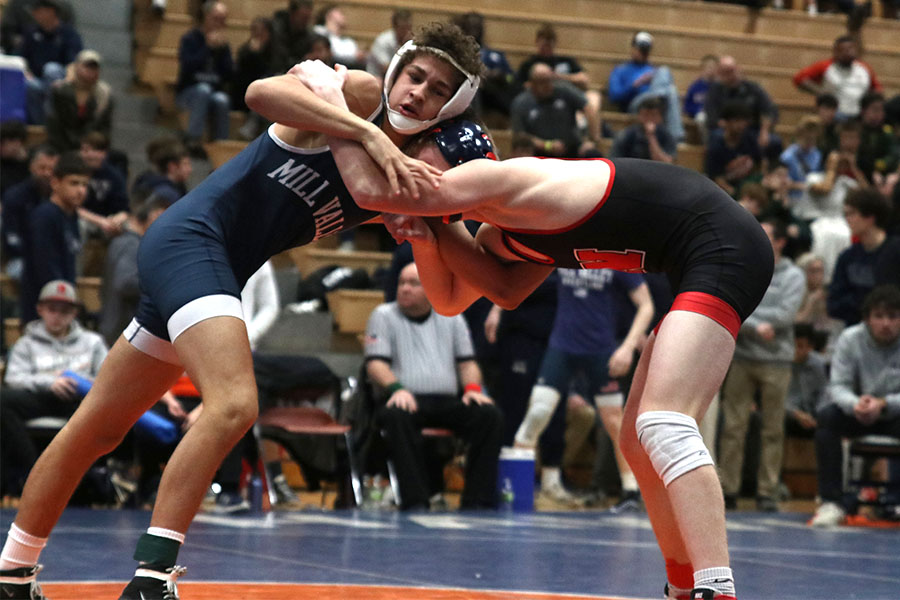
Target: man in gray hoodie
point(42, 376)
point(762, 361)
point(865, 394)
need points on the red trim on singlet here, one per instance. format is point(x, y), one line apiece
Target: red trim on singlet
point(582, 220)
point(706, 304)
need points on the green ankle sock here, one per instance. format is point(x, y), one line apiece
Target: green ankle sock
point(157, 550)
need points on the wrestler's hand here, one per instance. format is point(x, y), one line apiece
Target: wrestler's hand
point(405, 227)
point(322, 80)
point(401, 170)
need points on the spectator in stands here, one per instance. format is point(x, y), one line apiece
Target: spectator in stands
point(547, 110)
point(826, 110)
point(256, 58)
point(499, 85)
point(388, 42)
point(120, 291)
point(695, 97)
point(38, 381)
point(332, 23)
point(13, 154)
point(803, 156)
point(168, 179)
point(204, 70)
point(867, 212)
point(566, 68)
point(55, 224)
point(17, 17)
point(47, 46)
point(843, 161)
point(320, 49)
point(843, 75)
point(19, 200)
point(106, 207)
point(81, 104)
point(631, 82)
point(647, 138)
point(755, 198)
point(864, 393)
point(733, 154)
point(583, 342)
point(421, 360)
point(144, 182)
point(730, 86)
point(293, 32)
point(879, 149)
point(813, 309)
point(778, 185)
point(762, 364)
point(809, 380)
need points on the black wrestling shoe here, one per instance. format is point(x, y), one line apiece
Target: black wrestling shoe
point(151, 582)
point(21, 584)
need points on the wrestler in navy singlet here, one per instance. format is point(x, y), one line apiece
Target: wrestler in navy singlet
point(269, 198)
point(693, 231)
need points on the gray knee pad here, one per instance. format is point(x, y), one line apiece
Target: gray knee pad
point(543, 402)
point(673, 443)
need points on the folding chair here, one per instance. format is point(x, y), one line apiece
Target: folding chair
point(295, 413)
point(427, 432)
point(862, 451)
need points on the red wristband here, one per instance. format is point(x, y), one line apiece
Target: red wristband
point(473, 387)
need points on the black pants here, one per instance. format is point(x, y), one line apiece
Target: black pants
point(17, 407)
point(481, 426)
point(833, 424)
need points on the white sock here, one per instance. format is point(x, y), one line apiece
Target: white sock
point(21, 549)
point(629, 483)
point(166, 533)
point(550, 477)
point(719, 579)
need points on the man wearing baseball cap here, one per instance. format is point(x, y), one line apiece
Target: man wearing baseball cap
point(48, 372)
point(632, 82)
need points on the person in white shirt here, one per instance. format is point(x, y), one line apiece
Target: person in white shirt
point(388, 41)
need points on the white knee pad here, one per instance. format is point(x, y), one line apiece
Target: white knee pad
point(543, 402)
point(673, 443)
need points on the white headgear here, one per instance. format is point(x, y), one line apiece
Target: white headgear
point(455, 106)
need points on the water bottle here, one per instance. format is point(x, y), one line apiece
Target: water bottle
point(82, 384)
point(507, 495)
point(156, 427)
point(256, 493)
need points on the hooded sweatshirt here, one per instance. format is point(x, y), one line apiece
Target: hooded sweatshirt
point(37, 358)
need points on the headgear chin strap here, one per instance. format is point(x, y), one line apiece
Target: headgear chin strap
point(455, 106)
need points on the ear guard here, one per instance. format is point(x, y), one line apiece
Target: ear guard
point(461, 141)
point(454, 107)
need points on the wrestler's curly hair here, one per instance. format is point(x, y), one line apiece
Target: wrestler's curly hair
point(452, 40)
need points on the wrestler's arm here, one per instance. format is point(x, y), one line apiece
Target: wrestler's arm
point(292, 100)
point(477, 267)
point(287, 100)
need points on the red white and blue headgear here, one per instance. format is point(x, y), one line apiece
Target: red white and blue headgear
point(461, 140)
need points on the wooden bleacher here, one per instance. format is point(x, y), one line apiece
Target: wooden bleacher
point(88, 289)
point(310, 257)
point(350, 309)
point(770, 45)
